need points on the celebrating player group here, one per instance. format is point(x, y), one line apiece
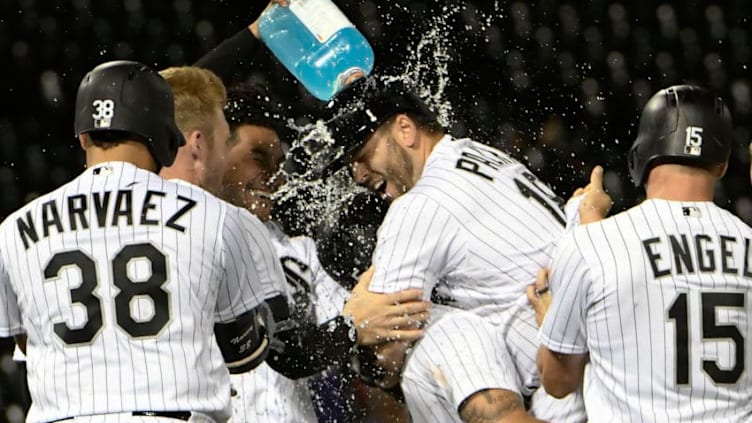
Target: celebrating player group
point(156, 285)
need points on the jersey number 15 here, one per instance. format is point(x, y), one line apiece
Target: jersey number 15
point(711, 330)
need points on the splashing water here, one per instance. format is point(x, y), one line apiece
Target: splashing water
point(318, 203)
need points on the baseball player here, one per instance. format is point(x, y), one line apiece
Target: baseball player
point(472, 226)
point(200, 98)
point(318, 336)
point(136, 293)
point(229, 60)
point(657, 298)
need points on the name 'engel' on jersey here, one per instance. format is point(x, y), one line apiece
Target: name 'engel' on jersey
point(659, 296)
point(684, 253)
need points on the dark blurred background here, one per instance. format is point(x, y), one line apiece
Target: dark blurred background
point(558, 84)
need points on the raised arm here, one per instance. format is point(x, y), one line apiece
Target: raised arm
point(233, 58)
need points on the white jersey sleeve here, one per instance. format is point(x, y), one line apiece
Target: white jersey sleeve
point(416, 243)
point(329, 296)
point(563, 328)
point(252, 271)
point(10, 315)
point(301, 263)
point(572, 213)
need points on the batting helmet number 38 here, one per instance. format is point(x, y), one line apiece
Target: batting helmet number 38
point(104, 111)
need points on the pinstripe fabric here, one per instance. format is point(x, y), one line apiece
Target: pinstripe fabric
point(128, 418)
point(216, 260)
point(483, 239)
point(658, 296)
point(473, 231)
point(264, 395)
point(443, 369)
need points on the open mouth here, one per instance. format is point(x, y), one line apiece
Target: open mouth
point(260, 194)
point(252, 188)
point(380, 189)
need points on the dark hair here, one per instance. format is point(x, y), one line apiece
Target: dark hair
point(251, 104)
point(426, 122)
point(110, 138)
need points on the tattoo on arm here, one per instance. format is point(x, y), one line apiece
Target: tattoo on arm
point(489, 405)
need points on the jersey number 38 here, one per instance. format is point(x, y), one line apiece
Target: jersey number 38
point(84, 294)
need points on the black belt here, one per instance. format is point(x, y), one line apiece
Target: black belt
point(178, 415)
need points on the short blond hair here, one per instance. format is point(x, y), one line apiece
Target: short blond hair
point(198, 94)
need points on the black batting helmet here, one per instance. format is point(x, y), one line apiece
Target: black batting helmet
point(683, 124)
point(130, 97)
point(360, 109)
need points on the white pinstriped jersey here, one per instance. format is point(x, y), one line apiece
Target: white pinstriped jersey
point(264, 395)
point(472, 234)
point(660, 297)
point(477, 226)
point(118, 278)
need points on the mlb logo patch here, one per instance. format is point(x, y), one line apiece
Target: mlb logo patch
point(691, 211)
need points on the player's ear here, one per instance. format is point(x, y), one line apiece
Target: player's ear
point(405, 130)
point(195, 143)
point(85, 141)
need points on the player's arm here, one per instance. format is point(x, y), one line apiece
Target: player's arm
point(560, 311)
point(389, 323)
point(418, 241)
point(312, 350)
point(234, 56)
point(379, 318)
point(308, 349)
point(305, 348)
point(244, 324)
point(561, 374)
point(381, 365)
point(244, 342)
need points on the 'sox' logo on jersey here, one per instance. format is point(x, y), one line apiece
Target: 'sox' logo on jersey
point(104, 112)
point(693, 141)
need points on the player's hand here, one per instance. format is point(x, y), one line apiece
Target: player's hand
point(539, 296)
point(253, 27)
point(382, 318)
point(596, 203)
